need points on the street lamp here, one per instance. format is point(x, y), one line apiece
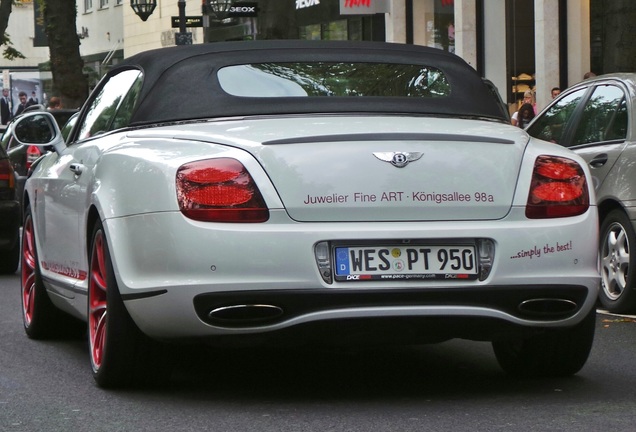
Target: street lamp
point(143, 8)
point(220, 8)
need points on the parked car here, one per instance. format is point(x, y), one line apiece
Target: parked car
point(9, 218)
point(22, 156)
point(595, 119)
point(305, 192)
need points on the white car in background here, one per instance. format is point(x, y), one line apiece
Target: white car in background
point(305, 192)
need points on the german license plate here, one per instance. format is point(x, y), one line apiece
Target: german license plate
point(410, 262)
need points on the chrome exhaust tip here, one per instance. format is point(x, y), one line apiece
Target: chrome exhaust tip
point(548, 307)
point(245, 313)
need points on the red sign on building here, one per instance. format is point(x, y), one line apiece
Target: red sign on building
point(363, 7)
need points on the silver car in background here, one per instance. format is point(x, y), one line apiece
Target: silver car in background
point(595, 119)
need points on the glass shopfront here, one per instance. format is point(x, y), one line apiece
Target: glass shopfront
point(356, 28)
point(433, 23)
point(521, 51)
point(297, 19)
point(440, 25)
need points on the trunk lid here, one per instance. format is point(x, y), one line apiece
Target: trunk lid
point(388, 168)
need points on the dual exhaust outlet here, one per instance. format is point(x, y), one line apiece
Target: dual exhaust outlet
point(254, 314)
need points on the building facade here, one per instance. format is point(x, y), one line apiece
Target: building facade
point(516, 44)
point(99, 25)
point(23, 74)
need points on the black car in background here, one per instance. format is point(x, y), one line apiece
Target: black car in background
point(9, 217)
point(21, 156)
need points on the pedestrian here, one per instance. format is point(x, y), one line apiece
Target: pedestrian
point(55, 103)
point(528, 98)
point(525, 115)
point(23, 103)
point(33, 100)
point(5, 107)
point(555, 92)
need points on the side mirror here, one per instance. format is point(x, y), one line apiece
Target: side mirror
point(39, 129)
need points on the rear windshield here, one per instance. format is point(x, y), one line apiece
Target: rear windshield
point(333, 79)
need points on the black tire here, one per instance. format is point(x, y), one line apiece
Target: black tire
point(551, 353)
point(41, 319)
point(618, 264)
point(121, 355)
point(10, 259)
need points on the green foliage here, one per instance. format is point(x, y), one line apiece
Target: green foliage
point(10, 53)
point(92, 74)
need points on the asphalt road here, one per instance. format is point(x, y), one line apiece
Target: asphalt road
point(453, 386)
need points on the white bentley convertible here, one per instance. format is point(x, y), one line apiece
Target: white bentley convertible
point(305, 192)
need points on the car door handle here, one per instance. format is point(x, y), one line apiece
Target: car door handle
point(599, 161)
point(76, 168)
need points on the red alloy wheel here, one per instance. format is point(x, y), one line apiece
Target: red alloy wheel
point(28, 271)
point(120, 354)
point(98, 307)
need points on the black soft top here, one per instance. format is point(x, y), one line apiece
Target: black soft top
point(180, 83)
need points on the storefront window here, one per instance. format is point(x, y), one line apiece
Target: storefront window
point(351, 29)
point(278, 19)
point(310, 32)
point(520, 41)
point(335, 30)
point(439, 19)
point(356, 29)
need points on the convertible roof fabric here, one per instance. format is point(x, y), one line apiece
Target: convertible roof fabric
point(180, 83)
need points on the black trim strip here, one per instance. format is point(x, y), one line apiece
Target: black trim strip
point(563, 44)
point(56, 284)
point(388, 137)
point(408, 5)
point(481, 38)
point(143, 295)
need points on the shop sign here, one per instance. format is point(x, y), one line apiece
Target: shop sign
point(243, 9)
point(363, 7)
point(190, 21)
point(302, 4)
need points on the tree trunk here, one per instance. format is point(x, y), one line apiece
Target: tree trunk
point(69, 81)
point(9, 52)
point(5, 11)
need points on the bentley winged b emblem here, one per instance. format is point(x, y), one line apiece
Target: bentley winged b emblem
point(398, 159)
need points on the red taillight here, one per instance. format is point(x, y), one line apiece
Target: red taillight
point(558, 189)
point(32, 154)
point(219, 190)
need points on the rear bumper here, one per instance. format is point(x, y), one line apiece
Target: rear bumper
point(182, 279)
point(363, 317)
